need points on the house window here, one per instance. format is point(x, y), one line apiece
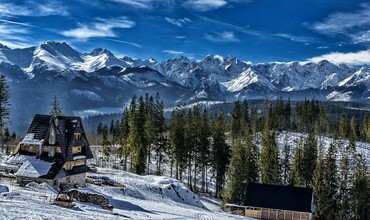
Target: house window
point(25, 147)
point(32, 148)
point(76, 150)
point(77, 136)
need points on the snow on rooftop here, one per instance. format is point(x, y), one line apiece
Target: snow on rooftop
point(80, 157)
point(30, 139)
point(34, 167)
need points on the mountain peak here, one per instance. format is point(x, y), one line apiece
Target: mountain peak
point(100, 51)
point(2, 46)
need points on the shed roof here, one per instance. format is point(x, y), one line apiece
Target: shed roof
point(279, 197)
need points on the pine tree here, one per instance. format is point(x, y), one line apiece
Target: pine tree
point(269, 163)
point(133, 135)
point(4, 107)
point(296, 174)
point(325, 185)
point(99, 130)
point(345, 170)
point(177, 136)
point(111, 127)
point(56, 109)
point(124, 150)
point(360, 192)
point(204, 147)
point(160, 128)
point(353, 130)
point(237, 176)
point(285, 161)
point(343, 127)
point(252, 158)
point(140, 155)
point(106, 144)
point(321, 190)
point(309, 158)
point(220, 152)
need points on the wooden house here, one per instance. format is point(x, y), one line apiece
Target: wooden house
point(55, 151)
point(264, 201)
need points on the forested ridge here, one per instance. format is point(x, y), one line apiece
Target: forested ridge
point(240, 147)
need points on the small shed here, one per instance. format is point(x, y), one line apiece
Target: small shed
point(264, 201)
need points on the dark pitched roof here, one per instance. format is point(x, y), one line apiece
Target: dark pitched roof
point(279, 197)
point(39, 126)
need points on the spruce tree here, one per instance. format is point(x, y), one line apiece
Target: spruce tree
point(269, 163)
point(253, 156)
point(296, 173)
point(325, 185)
point(204, 147)
point(237, 176)
point(345, 176)
point(160, 129)
point(220, 152)
point(99, 130)
point(106, 144)
point(309, 158)
point(56, 109)
point(360, 191)
point(124, 150)
point(286, 161)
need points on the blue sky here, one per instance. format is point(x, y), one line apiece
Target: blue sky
point(252, 30)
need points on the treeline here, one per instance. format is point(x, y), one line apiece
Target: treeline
point(241, 147)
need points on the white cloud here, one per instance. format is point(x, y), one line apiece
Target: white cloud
point(180, 37)
point(173, 52)
point(353, 58)
point(204, 5)
point(355, 25)
point(16, 23)
point(322, 47)
point(233, 27)
point(226, 36)
point(143, 4)
point(103, 27)
point(32, 8)
point(178, 22)
point(125, 42)
point(300, 39)
point(362, 37)
point(14, 36)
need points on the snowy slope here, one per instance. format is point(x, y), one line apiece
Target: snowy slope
point(143, 197)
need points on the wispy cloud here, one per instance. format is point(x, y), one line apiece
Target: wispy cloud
point(299, 39)
point(178, 22)
point(354, 58)
point(143, 4)
point(226, 36)
point(322, 47)
point(16, 23)
point(14, 36)
point(32, 8)
point(125, 42)
point(180, 37)
point(355, 25)
point(102, 27)
point(173, 52)
point(204, 5)
point(233, 27)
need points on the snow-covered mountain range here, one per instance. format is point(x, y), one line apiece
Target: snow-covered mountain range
point(85, 81)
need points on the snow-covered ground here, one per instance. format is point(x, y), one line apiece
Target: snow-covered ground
point(139, 197)
point(142, 197)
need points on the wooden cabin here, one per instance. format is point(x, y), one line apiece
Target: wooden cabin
point(56, 150)
point(264, 201)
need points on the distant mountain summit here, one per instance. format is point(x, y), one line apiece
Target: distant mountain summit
point(90, 83)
